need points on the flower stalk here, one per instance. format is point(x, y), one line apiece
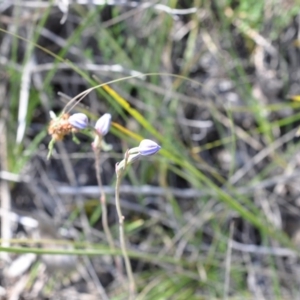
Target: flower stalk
point(146, 148)
point(100, 131)
point(105, 225)
point(119, 174)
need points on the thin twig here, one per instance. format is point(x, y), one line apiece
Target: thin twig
point(188, 193)
point(133, 4)
point(262, 250)
point(95, 278)
point(228, 263)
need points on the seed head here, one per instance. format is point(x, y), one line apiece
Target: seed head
point(59, 127)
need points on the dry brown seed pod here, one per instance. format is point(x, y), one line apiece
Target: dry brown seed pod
point(59, 127)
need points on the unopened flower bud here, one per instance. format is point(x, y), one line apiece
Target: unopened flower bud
point(78, 121)
point(103, 124)
point(148, 147)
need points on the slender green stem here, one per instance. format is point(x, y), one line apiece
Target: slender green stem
point(50, 148)
point(132, 288)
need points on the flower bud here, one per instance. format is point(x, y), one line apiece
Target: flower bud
point(103, 124)
point(78, 121)
point(148, 147)
point(102, 127)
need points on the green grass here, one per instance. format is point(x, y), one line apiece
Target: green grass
point(145, 45)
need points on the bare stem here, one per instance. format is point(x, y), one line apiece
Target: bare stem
point(132, 288)
point(103, 201)
point(105, 225)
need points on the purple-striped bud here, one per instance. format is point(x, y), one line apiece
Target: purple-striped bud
point(103, 124)
point(148, 147)
point(78, 121)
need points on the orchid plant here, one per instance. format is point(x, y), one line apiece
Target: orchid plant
point(66, 124)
